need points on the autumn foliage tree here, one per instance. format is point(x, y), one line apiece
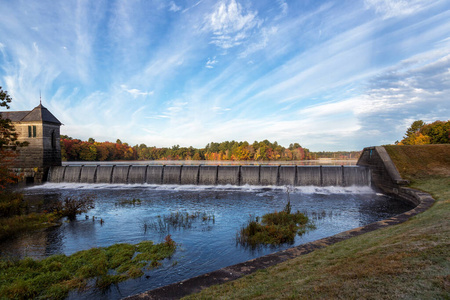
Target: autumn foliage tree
point(77, 150)
point(8, 144)
point(421, 133)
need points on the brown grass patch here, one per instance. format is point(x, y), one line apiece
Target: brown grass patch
point(416, 161)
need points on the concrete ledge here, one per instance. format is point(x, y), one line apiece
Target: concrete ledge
point(196, 284)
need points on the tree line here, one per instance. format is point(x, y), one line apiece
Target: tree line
point(421, 133)
point(90, 150)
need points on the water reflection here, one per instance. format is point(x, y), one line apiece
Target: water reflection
point(206, 245)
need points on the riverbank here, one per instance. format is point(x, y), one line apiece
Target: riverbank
point(409, 260)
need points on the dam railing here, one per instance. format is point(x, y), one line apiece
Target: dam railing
point(263, 175)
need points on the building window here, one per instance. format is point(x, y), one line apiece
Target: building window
point(32, 131)
point(53, 140)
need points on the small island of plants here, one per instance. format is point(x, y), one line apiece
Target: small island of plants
point(274, 228)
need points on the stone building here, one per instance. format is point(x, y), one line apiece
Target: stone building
point(41, 129)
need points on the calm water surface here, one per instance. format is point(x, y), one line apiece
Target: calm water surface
point(204, 245)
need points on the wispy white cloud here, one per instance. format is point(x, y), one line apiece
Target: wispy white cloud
point(173, 7)
point(265, 35)
point(284, 9)
point(393, 8)
point(220, 110)
point(230, 24)
point(211, 62)
point(136, 92)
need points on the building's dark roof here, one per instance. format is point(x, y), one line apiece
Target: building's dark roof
point(39, 113)
point(14, 116)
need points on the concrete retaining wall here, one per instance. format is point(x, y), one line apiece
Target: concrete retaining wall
point(385, 176)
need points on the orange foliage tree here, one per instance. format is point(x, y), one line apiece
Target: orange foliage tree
point(8, 144)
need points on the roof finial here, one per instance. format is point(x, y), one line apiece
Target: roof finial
point(40, 98)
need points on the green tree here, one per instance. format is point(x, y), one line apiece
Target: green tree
point(438, 131)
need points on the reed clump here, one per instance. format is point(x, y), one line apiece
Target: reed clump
point(129, 202)
point(178, 220)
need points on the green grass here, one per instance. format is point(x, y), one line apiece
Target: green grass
point(406, 261)
point(55, 276)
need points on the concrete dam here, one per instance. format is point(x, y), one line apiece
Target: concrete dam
point(262, 175)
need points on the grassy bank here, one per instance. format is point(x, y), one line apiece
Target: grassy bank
point(409, 260)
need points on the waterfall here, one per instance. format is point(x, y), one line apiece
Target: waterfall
point(155, 174)
point(88, 174)
point(228, 175)
point(268, 175)
point(208, 175)
point(264, 175)
point(287, 175)
point(137, 174)
point(72, 174)
point(309, 175)
point(189, 174)
point(172, 174)
point(120, 174)
point(57, 174)
point(104, 174)
point(332, 176)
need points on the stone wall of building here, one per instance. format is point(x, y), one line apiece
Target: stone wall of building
point(43, 150)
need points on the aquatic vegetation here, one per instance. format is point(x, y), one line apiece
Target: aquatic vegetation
point(130, 202)
point(274, 228)
point(178, 220)
point(55, 276)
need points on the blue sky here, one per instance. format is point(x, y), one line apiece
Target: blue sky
point(330, 75)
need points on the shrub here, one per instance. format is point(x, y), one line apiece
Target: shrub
point(12, 204)
point(71, 207)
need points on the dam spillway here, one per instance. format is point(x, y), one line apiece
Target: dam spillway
point(263, 175)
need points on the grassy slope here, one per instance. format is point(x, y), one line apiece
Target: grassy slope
point(409, 260)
